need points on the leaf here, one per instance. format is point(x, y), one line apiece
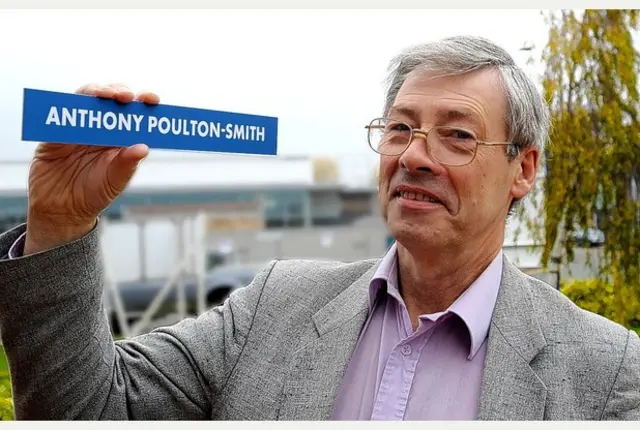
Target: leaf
point(593, 153)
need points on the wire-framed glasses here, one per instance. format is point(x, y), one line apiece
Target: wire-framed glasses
point(452, 146)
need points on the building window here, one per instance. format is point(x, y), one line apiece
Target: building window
point(330, 221)
point(284, 209)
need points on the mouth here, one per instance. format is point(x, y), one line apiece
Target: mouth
point(413, 197)
point(418, 197)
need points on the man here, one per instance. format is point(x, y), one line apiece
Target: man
point(442, 327)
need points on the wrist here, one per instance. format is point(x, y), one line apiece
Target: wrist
point(47, 232)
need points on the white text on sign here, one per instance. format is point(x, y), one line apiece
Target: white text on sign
point(88, 118)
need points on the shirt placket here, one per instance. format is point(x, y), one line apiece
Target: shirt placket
point(397, 378)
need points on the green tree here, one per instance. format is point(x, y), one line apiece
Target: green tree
point(591, 83)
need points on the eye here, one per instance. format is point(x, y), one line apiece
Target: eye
point(456, 137)
point(397, 127)
point(461, 134)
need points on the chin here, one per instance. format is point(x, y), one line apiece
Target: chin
point(415, 231)
point(409, 231)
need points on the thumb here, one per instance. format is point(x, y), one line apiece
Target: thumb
point(124, 165)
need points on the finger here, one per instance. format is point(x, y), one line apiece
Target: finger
point(97, 91)
point(124, 165)
point(135, 153)
point(148, 98)
point(87, 89)
point(122, 93)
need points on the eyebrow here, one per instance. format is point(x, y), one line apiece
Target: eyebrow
point(402, 110)
point(451, 115)
point(442, 115)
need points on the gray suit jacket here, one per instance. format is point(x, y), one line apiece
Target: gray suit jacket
point(277, 349)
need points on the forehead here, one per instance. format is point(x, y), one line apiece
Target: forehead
point(477, 95)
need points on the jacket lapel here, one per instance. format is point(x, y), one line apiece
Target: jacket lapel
point(511, 390)
point(319, 366)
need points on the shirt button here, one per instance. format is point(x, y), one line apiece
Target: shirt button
point(406, 349)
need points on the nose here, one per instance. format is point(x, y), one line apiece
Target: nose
point(417, 159)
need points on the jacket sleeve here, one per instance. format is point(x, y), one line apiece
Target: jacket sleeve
point(65, 365)
point(623, 403)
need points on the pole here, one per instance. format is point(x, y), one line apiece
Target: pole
point(557, 261)
point(142, 243)
point(159, 299)
point(111, 291)
point(181, 302)
point(200, 242)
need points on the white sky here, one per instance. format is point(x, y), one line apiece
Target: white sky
point(319, 71)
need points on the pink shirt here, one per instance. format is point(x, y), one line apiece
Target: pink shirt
point(433, 373)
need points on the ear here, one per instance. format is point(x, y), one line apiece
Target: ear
point(525, 172)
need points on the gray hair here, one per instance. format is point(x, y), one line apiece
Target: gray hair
point(528, 118)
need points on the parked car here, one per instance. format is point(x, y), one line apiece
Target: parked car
point(219, 283)
point(590, 237)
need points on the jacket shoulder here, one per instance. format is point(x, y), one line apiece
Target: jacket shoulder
point(579, 342)
point(308, 285)
point(321, 270)
point(586, 353)
point(562, 321)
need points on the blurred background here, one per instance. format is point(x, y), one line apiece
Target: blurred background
point(192, 227)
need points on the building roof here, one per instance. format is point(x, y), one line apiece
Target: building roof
point(228, 172)
point(231, 173)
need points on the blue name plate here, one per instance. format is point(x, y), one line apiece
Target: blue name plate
point(85, 120)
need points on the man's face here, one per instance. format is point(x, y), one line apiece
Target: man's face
point(472, 200)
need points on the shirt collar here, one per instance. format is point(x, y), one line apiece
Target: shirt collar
point(474, 306)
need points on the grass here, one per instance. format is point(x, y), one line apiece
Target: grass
point(6, 403)
point(4, 367)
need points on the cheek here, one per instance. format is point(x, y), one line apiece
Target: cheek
point(482, 189)
point(385, 173)
point(471, 189)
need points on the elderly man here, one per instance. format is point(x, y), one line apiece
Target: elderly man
point(442, 327)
